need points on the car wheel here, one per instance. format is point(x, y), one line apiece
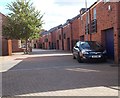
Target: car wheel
point(78, 58)
point(74, 57)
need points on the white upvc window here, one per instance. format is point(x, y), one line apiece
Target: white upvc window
point(106, 1)
point(94, 13)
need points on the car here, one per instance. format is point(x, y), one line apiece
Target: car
point(88, 51)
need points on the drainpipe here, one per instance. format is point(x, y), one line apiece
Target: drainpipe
point(86, 19)
point(90, 26)
point(71, 36)
point(62, 38)
point(117, 35)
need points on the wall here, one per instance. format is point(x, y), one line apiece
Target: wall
point(53, 37)
point(75, 32)
point(5, 45)
point(16, 46)
point(59, 38)
point(106, 19)
point(0, 34)
point(67, 32)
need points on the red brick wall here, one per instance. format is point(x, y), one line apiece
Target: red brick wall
point(75, 29)
point(5, 44)
point(46, 43)
point(16, 46)
point(58, 34)
point(41, 40)
point(0, 34)
point(9, 47)
point(82, 23)
point(6, 47)
point(119, 30)
point(54, 39)
point(67, 31)
point(106, 19)
point(75, 32)
point(0, 24)
point(13, 43)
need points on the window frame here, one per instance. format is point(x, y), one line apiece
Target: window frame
point(94, 13)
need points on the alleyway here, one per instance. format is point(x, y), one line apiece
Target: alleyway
point(55, 73)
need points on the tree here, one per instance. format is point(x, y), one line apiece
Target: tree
point(24, 22)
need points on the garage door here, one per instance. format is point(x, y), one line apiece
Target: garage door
point(109, 39)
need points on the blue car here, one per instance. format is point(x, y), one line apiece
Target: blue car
point(88, 50)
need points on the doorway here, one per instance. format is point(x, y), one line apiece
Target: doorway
point(57, 44)
point(109, 43)
point(68, 43)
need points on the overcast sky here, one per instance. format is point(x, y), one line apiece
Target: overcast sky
point(55, 12)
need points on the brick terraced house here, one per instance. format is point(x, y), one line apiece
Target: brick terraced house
point(100, 22)
point(103, 25)
point(7, 46)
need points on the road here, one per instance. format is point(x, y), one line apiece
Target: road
point(55, 73)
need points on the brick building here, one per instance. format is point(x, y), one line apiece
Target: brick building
point(59, 38)
point(75, 27)
point(43, 40)
point(8, 46)
point(100, 22)
point(102, 25)
point(5, 45)
point(67, 35)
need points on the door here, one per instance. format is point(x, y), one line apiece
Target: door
point(57, 44)
point(49, 45)
point(68, 43)
point(109, 43)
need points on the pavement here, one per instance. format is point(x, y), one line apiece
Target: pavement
point(55, 73)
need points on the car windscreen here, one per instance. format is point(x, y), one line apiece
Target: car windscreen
point(90, 45)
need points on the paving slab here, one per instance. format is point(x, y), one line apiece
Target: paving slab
point(55, 73)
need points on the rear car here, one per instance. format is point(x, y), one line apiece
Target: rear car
point(89, 50)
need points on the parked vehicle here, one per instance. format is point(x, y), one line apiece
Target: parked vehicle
point(88, 50)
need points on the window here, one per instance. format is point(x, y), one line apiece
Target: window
point(106, 1)
point(87, 29)
point(81, 17)
point(94, 12)
point(46, 40)
point(59, 37)
point(93, 26)
point(87, 17)
point(64, 36)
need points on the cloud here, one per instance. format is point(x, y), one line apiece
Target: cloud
point(1, 7)
point(55, 14)
point(55, 11)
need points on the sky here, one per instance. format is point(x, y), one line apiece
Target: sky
point(55, 12)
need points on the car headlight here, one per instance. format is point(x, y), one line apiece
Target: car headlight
point(104, 52)
point(85, 52)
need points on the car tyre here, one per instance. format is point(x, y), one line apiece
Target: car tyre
point(74, 57)
point(78, 58)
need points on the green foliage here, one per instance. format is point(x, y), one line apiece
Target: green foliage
point(24, 21)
